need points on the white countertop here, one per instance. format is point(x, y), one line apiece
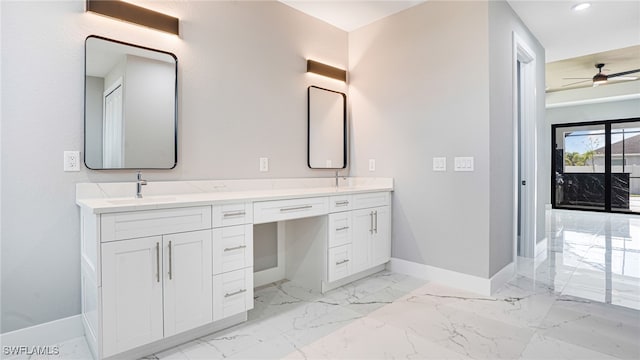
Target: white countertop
point(119, 197)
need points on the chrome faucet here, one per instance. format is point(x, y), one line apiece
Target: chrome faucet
point(338, 177)
point(139, 185)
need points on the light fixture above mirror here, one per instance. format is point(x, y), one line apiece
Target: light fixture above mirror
point(128, 12)
point(326, 70)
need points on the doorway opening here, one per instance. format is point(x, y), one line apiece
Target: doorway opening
point(524, 121)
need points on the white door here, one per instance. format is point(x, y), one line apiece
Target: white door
point(113, 129)
point(381, 239)
point(132, 293)
point(361, 241)
point(188, 298)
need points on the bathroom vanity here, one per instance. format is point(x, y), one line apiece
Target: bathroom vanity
point(178, 263)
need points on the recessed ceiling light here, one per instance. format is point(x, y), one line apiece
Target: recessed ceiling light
point(581, 6)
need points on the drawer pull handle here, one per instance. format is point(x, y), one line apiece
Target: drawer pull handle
point(235, 293)
point(342, 262)
point(296, 208)
point(234, 213)
point(235, 248)
point(342, 203)
point(342, 228)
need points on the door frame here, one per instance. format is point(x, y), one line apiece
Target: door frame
point(522, 52)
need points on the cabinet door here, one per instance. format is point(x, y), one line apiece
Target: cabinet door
point(361, 240)
point(381, 239)
point(187, 281)
point(132, 293)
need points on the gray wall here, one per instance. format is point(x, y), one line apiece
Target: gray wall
point(149, 116)
point(242, 95)
point(419, 89)
point(503, 22)
point(94, 100)
point(423, 87)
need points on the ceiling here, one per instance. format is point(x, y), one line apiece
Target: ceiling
point(574, 41)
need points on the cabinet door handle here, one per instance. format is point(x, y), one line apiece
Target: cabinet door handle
point(235, 293)
point(234, 213)
point(371, 222)
point(342, 228)
point(296, 208)
point(376, 216)
point(235, 248)
point(158, 262)
point(342, 262)
point(342, 203)
point(170, 264)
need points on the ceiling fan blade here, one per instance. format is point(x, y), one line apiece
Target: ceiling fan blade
point(623, 73)
point(578, 82)
point(624, 78)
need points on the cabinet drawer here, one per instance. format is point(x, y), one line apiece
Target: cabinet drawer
point(135, 224)
point(340, 203)
point(278, 210)
point(339, 262)
point(367, 200)
point(339, 229)
point(232, 248)
point(232, 293)
point(232, 214)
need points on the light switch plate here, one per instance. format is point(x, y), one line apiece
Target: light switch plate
point(463, 163)
point(439, 164)
point(264, 164)
point(372, 164)
point(71, 161)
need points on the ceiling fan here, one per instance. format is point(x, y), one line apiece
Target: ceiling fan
point(601, 79)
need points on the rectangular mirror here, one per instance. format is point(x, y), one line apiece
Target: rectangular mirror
point(327, 129)
point(130, 118)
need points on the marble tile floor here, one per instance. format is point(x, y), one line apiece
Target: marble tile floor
point(579, 300)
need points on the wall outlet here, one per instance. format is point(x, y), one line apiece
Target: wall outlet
point(439, 164)
point(463, 164)
point(72, 161)
point(264, 164)
point(372, 164)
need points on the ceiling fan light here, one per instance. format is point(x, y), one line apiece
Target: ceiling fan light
point(599, 79)
point(581, 6)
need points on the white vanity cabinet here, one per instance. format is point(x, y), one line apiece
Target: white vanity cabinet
point(160, 271)
point(155, 287)
point(359, 238)
point(150, 275)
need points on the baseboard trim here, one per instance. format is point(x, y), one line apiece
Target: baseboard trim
point(49, 333)
point(454, 279)
point(502, 277)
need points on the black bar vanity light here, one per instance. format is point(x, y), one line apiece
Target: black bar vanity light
point(326, 70)
point(125, 11)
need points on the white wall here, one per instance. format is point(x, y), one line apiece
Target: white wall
point(242, 95)
point(93, 114)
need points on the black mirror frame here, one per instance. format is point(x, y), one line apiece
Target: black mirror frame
point(175, 115)
point(344, 128)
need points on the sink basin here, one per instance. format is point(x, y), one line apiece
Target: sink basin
point(141, 201)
